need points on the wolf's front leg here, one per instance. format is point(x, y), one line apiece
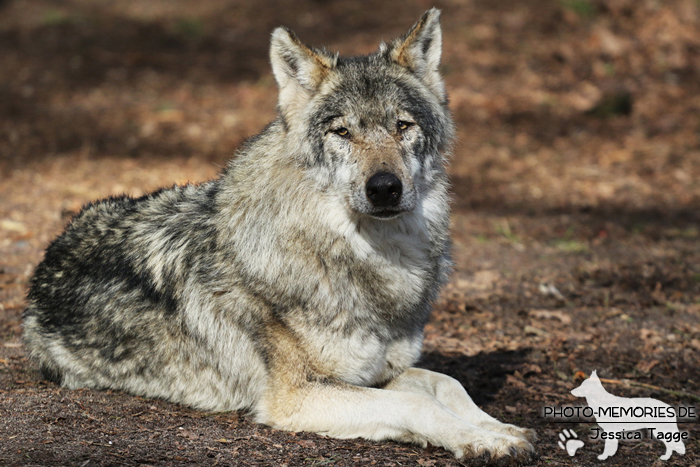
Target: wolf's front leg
point(344, 411)
point(450, 392)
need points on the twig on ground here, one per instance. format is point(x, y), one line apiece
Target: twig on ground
point(627, 382)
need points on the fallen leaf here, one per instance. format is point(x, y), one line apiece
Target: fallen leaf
point(565, 318)
point(426, 462)
point(549, 289)
point(512, 380)
point(536, 331)
point(645, 367)
point(532, 368)
point(13, 226)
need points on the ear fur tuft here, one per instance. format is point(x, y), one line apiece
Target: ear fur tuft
point(420, 51)
point(298, 70)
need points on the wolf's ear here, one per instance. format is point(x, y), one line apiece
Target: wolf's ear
point(420, 51)
point(298, 70)
point(594, 375)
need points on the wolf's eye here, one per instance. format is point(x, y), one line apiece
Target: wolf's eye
point(403, 125)
point(342, 131)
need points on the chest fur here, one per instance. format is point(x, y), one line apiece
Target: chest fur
point(362, 358)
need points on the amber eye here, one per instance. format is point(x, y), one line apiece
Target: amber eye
point(342, 131)
point(403, 125)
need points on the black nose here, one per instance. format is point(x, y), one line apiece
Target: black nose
point(383, 189)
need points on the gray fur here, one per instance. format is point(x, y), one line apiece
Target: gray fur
point(279, 277)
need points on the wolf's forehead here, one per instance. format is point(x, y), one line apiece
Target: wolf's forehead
point(370, 82)
point(372, 94)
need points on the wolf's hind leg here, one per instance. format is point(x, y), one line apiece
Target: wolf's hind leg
point(450, 392)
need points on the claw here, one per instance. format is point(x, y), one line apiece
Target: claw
point(483, 459)
point(529, 434)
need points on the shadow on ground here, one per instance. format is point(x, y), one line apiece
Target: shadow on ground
point(482, 375)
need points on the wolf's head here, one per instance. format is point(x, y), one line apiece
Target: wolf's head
point(590, 387)
point(370, 129)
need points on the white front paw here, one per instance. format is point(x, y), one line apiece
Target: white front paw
point(487, 446)
point(512, 430)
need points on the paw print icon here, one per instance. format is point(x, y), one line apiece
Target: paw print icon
point(569, 442)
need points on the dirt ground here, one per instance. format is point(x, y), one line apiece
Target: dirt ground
point(576, 203)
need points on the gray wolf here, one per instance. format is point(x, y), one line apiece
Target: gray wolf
point(297, 284)
point(618, 414)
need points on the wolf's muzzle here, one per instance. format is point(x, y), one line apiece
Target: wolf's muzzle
point(384, 190)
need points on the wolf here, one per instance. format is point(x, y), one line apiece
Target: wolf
point(617, 414)
point(297, 284)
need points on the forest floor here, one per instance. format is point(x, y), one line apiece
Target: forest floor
point(576, 209)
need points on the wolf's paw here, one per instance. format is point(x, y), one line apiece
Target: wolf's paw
point(569, 443)
point(506, 429)
point(497, 449)
point(526, 433)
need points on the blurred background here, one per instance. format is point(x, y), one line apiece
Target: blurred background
point(559, 103)
point(562, 106)
point(576, 171)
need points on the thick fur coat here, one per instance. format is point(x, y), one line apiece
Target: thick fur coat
point(297, 284)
